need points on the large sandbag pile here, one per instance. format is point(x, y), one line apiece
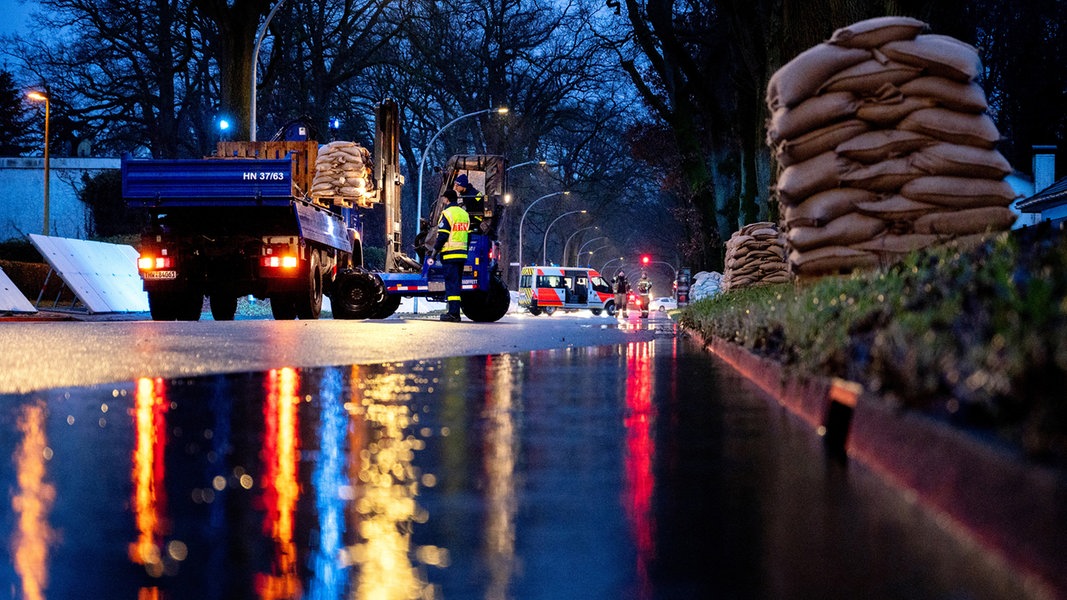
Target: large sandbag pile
point(706, 284)
point(885, 147)
point(343, 174)
point(755, 255)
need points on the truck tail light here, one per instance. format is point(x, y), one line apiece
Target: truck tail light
point(149, 262)
point(276, 261)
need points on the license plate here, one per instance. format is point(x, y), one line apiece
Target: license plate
point(437, 286)
point(160, 274)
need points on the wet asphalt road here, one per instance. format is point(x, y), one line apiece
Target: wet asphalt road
point(637, 468)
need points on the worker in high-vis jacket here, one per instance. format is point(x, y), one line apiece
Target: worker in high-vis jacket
point(452, 237)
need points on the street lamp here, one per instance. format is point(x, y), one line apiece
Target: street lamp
point(594, 251)
point(590, 241)
point(567, 244)
point(536, 161)
point(544, 244)
point(523, 219)
point(255, 68)
point(39, 97)
point(418, 211)
point(610, 260)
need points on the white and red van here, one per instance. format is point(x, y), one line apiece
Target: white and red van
point(547, 289)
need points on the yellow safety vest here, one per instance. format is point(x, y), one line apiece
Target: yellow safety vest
point(460, 222)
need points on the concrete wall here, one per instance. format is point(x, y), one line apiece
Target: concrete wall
point(22, 195)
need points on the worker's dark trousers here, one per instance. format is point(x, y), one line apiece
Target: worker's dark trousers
point(453, 283)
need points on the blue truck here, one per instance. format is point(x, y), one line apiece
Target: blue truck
point(247, 222)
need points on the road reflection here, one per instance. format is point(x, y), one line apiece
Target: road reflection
point(586, 472)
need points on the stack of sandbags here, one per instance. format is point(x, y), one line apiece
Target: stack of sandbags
point(755, 255)
point(885, 145)
point(705, 285)
point(343, 174)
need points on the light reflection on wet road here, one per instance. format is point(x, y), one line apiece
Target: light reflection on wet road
point(645, 470)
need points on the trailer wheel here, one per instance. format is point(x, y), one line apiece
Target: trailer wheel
point(389, 304)
point(162, 306)
point(175, 306)
point(223, 308)
point(487, 306)
point(357, 294)
point(309, 304)
point(190, 305)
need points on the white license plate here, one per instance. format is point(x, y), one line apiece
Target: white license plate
point(160, 274)
point(437, 286)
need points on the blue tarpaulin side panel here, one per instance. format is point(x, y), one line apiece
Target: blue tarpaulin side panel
point(192, 182)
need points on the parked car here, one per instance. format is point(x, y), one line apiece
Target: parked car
point(663, 304)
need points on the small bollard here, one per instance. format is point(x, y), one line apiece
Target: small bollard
point(842, 398)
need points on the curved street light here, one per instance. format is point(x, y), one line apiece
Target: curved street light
point(594, 251)
point(536, 161)
point(567, 244)
point(255, 69)
point(422, 162)
point(523, 219)
point(590, 241)
point(610, 260)
point(39, 97)
point(544, 244)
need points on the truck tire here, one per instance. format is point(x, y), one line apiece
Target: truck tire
point(357, 294)
point(175, 306)
point(389, 304)
point(283, 307)
point(223, 308)
point(162, 307)
point(487, 306)
point(309, 304)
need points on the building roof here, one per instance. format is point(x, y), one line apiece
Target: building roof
point(1050, 197)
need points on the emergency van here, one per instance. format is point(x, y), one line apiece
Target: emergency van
point(547, 289)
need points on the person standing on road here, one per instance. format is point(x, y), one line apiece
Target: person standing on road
point(621, 287)
point(644, 293)
point(452, 236)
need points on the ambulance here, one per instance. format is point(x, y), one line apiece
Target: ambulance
point(547, 289)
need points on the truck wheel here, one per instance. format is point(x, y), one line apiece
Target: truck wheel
point(189, 305)
point(162, 306)
point(283, 308)
point(309, 304)
point(223, 308)
point(487, 306)
point(357, 294)
point(387, 307)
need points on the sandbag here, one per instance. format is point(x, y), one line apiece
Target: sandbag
point(811, 114)
point(831, 259)
point(876, 32)
point(938, 55)
point(966, 222)
point(810, 177)
point(953, 95)
point(897, 244)
point(954, 127)
point(896, 208)
point(842, 231)
point(820, 209)
point(885, 176)
point(817, 142)
point(887, 113)
point(876, 146)
point(959, 192)
point(961, 161)
point(798, 79)
point(867, 77)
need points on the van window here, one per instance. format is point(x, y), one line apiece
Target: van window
point(600, 285)
point(524, 280)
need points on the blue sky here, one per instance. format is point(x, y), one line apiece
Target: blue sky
point(13, 15)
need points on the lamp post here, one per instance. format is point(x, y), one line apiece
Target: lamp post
point(544, 244)
point(594, 251)
point(669, 266)
point(523, 219)
point(255, 69)
point(39, 97)
point(590, 241)
point(567, 244)
point(610, 260)
point(422, 162)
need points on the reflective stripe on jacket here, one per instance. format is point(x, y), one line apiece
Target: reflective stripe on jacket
point(456, 223)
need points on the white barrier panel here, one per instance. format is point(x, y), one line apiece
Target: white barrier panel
point(102, 276)
point(11, 299)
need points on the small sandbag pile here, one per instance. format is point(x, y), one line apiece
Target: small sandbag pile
point(885, 145)
point(755, 256)
point(343, 174)
point(706, 284)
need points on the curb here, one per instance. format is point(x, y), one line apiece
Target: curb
point(1014, 510)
